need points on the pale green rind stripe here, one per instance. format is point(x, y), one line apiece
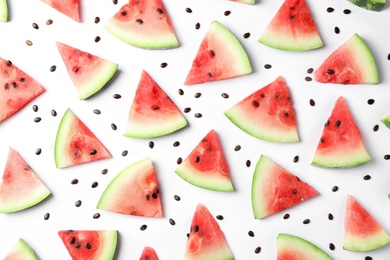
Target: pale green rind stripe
point(60, 155)
point(386, 121)
point(372, 5)
point(109, 245)
point(346, 160)
point(3, 11)
point(366, 243)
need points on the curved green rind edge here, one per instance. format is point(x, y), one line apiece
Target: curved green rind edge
point(28, 202)
point(258, 205)
point(249, 2)
point(21, 248)
point(364, 244)
point(61, 137)
point(346, 161)
point(386, 121)
point(303, 246)
point(110, 245)
point(371, 5)
point(284, 45)
point(3, 11)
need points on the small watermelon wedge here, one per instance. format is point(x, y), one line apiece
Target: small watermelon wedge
point(292, 28)
point(267, 114)
point(275, 189)
point(206, 166)
point(220, 56)
point(90, 244)
point(351, 63)
point(21, 251)
point(76, 144)
point(70, 8)
point(89, 73)
point(341, 143)
point(17, 89)
point(152, 112)
point(148, 254)
point(371, 5)
point(145, 24)
point(20, 188)
point(290, 247)
point(134, 191)
point(362, 232)
point(3, 11)
point(206, 241)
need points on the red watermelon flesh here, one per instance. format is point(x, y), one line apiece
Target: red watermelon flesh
point(220, 56)
point(90, 244)
point(341, 143)
point(292, 28)
point(134, 191)
point(362, 231)
point(267, 114)
point(16, 89)
point(351, 63)
point(206, 241)
point(206, 166)
point(69, 8)
point(148, 254)
point(275, 189)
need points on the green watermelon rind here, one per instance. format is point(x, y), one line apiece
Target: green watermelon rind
point(344, 160)
point(60, 143)
point(371, 5)
point(3, 11)
point(249, 2)
point(22, 249)
point(386, 121)
point(365, 244)
point(304, 247)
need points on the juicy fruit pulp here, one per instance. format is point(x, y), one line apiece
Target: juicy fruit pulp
point(206, 165)
point(275, 189)
point(372, 5)
point(21, 251)
point(148, 254)
point(292, 28)
point(133, 191)
point(341, 144)
point(267, 114)
point(143, 23)
point(69, 8)
point(220, 56)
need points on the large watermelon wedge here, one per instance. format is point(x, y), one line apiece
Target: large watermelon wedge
point(76, 144)
point(220, 56)
point(90, 244)
point(372, 5)
point(21, 251)
point(292, 28)
point(3, 11)
point(148, 254)
point(206, 241)
point(143, 23)
point(206, 165)
point(351, 63)
point(134, 191)
point(341, 144)
point(70, 8)
point(16, 89)
point(89, 73)
point(267, 114)
point(152, 112)
point(20, 187)
point(362, 231)
point(290, 247)
point(275, 189)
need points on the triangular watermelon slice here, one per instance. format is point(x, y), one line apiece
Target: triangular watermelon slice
point(275, 189)
point(90, 244)
point(152, 112)
point(206, 165)
point(206, 239)
point(267, 114)
point(70, 8)
point(220, 56)
point(292, 28)
point(17, 89)
point(362, 232)
point(20, 187)
point(3, 11)
point(89, 73)
point(148, 254)
point(76, 144)
point(290, 247)
point(21, 251)
point(133, 191)
point(341, 144)
point(351, 63)
point(144, 24)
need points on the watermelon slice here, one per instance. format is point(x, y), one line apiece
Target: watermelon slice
point(76, 144)
point(290, 247)
point(292, 28)
point(206, 239)
point(20, 187)
point(386, 121)
point(17, 89)
point(267, 114)
point(152, 113)
point(341, 144)
point(90, 244)
point(133, 191)
point(88, 72)
point(275, 189)
point(362, 232)
point(148, 254)
point(69, 8)
point(144, 24)
point(250, 2)
point(3, 11)
point(206, 165)
point(21, 251)
point(351, 63)
point(220, 56)
point(372, 5)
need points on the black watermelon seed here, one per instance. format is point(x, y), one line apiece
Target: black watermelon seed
point(177, 197)
point(197, 159)
point(15, 85)
point(375, 128)
point(78, 245)
point(294, 191)
point(212, 53)
point(73, 240)
point(179, 160)
point(163, 65)
point(225, 95)
point(267, 66)
point(172, 222)
point(335, 188)
point(113, 126)
point(35, 108)
point(286, 216)
point(115, 2)
point(151, 144)
point(308, 79)
point(94, 184)
point(53, 68)
point(246, 35)
point(104, 171)
point(330, 9)
point(117, 96)
point(330, 71)
point(330, 216)
point(250, 233)
point(196, 228)
point(386, 157)
point(227, 13)
point(124, 153)
point(53, 112)
point(388, 56)
point(147, 197)
point(331, 246)
point(97, 39)
point(181, 92)
point(197, 26)
point(248, 163)
point(346, 11)
point(160, 11)
point(37, 119)
point(322, 140)
point(198, 115)
point(9, 63)
point(97, 111)
point(187, 109)
point(327, 123)
point(296, 158)
point(97, 19)
point(96, 215)
point(257, 250)
point(338, 123)
point(143, 227)
point(78, 203)
point(74, 181)
point(306, 221)
point(6, 86)
point(176, 144)
point(93, 152)
point(292, 17)
point(337, 30)
point(219, 217)
point(310, 70)
point(368, 258)
point(88, 246)
point(197, 95)
point(46, 216)
point(49, 22)
point(139, 21)
point(255, 103)
point(367, 177)
point(29, 43)
point(237, 148)
point(370, 101)
point(154, 195)
point(312, 102)
point(188, 10)
point(35, 26)
point(38, 151)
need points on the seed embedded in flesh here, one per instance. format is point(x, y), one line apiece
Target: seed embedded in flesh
point(196, 228)
point(322, 140)
point(73, 240)
point(197, 159)
point(160, 11)
point(212, 53)
point(88, 246)
point(327, 123)
point(330, 71)
point(255, 103)
point(154, 195)
point(338, 123)
point(78, 245)
point(139, 21)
